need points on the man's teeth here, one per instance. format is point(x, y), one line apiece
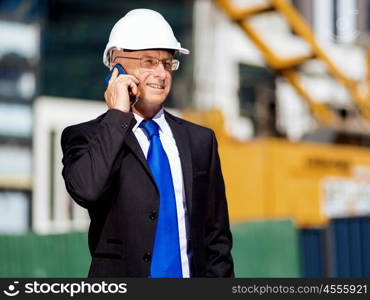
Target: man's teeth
point(156, 86)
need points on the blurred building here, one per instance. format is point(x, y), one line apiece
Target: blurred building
point(20, 35)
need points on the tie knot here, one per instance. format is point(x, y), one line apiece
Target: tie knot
point(150, 127)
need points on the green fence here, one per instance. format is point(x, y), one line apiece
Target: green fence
point(266, 249)
point(31, 255)
point(261, 249)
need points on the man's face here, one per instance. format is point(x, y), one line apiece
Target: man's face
point(155, 83)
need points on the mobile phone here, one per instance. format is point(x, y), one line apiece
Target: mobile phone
point(121, 70)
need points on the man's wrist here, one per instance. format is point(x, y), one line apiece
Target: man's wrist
point(121, 109)
point(118, 116)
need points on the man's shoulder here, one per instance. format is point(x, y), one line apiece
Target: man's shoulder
point(86, 127)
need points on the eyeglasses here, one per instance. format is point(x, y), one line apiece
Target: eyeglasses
point(148, 62)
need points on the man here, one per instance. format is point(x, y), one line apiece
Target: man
point(151, 182)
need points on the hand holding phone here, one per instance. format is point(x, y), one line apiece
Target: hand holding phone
point(121, 91)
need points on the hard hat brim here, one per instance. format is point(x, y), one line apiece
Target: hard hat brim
point(108, 48)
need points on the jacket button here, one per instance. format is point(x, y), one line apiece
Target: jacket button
point(153, 215)
point(124, 125)
point(147, 257)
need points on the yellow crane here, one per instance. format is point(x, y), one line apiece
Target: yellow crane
point(288, 67)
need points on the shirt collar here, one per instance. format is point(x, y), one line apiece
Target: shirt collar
point(159, 118)
point(138, 119)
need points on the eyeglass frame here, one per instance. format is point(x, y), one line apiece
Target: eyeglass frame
point(154, 58)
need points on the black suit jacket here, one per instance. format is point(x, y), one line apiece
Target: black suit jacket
point(106, 172)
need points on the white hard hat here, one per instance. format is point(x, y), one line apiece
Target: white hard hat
point(142, 29)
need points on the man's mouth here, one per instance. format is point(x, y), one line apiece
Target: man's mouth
point(156, 86)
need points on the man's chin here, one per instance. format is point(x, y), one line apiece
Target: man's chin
point(154, 100)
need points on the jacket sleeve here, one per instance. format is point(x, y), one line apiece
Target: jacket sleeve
point(89, 153)
point(218, 234)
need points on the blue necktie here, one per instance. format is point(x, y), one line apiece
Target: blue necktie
point(166, 261)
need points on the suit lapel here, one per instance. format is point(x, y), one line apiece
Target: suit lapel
point(182, 142)
point(133, 144)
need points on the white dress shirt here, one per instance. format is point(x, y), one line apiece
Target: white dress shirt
point(169, 146)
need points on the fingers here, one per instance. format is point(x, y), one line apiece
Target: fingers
point(127, 81)
point(123, 76)
point(114, 75)
point(119, 90)
point(133, 87)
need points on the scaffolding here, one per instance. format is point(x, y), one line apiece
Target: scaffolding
point(289, 68)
